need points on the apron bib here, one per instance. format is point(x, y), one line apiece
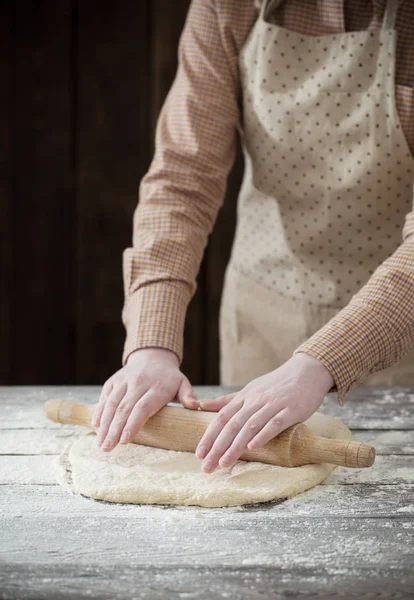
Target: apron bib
point(328, 181)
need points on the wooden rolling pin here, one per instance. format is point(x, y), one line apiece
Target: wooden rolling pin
point(177, 428)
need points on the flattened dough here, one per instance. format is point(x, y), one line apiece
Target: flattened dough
point(143, 475)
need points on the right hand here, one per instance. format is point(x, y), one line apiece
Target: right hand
point(149, 380)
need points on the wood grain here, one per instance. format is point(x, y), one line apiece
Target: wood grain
point(113, 154)
point(352, 537)
point(62, 581)
point(287, 551)
point(360, 501)
point(84, 87)
point(6, 185)
point(43, 199)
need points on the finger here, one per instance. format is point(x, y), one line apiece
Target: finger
point(276, 425)
point(150, 403)
point(96, 418)
point(121, 416)
point(111, 405)
point(250, 429)
point(225, 438)
point(217, 404)
point(215, 427)
point(186, 395)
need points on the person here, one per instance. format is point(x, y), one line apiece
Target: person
point(319, 291)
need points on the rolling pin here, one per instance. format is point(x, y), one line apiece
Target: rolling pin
point(177, 428)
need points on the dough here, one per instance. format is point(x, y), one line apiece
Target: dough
point(143, 475)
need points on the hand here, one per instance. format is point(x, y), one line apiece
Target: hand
point(150, 379)
point(264, 408)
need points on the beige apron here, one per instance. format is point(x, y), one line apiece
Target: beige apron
point(328, 181)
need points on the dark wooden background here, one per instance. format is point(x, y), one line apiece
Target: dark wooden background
point(82, 83)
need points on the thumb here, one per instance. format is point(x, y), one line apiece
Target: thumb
point(186, 395)
point(217, 404)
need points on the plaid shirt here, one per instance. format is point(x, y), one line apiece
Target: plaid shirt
point(185, 185)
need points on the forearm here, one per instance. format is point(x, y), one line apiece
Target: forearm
point(376, 329)
point(182, 192)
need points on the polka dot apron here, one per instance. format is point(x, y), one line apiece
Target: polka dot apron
point(328, 181)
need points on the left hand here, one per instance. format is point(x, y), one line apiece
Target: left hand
point(264, 408)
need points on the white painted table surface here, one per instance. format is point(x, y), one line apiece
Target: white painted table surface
point(351, 537)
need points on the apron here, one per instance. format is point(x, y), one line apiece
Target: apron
point(328, 181)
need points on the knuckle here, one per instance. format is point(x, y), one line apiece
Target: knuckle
point(145, 405)
point(233, 427)
point(158, 386)
point(113, 403)
point(241, 397)
point(254, 389)
point(276, 422)
point(123, 409)
point(138, 379)
point(269, 397)
point(253, 425)
point(221, 418)
point(103, 397)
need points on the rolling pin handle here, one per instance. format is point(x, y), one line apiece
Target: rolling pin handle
point(359, 455)
point(67, 411)
point(52, 408)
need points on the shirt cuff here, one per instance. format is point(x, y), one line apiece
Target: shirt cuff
point(154, 317)
point(350, 346)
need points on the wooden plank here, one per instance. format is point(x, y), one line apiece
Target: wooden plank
point(315, 554)
point(374, 408)
point(159, 528)
point(36, 441)
point(43, 204)
point(381, 409)
point(390, 470)
point(130, 580)
point(386, 470)
point(167, 20)
point(6, 186)
point(332, 501)
point(112, 148)
point(22, 407)
point(51, 441)
point(39, 470)
point(388, 442)
point(353, 535)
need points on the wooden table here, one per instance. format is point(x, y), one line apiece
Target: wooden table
point(351, 537)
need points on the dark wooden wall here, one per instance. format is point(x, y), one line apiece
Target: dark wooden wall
point(81, 86)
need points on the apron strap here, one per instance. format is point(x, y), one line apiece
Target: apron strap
point(390, 13)
point(267, 6)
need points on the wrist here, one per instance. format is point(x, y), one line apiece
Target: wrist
point(314, 368)
point(159, 354)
